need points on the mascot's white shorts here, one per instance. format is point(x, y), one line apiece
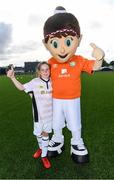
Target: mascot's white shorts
point(66, 110)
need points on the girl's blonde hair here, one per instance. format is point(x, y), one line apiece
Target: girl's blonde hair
point(38, 67)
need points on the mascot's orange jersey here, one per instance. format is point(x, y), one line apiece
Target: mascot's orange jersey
point(66, 82)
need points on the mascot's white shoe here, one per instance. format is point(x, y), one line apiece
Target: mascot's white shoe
point(79, 154)
point(55, 148)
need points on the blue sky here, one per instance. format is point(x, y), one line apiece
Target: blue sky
point(21, 28)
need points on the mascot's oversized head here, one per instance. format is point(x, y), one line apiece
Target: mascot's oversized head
point(62, 35)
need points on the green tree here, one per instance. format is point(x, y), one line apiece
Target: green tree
point(105, 63)
point(112, 63)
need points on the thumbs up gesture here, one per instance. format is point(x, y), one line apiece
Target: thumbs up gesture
point(97, 53)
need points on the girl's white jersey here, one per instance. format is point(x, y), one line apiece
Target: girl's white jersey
point(41, 91)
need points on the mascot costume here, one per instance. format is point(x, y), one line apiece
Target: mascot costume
point(62, 37)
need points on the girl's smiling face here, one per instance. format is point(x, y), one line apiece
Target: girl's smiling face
point(44, 71)
point(62, 49)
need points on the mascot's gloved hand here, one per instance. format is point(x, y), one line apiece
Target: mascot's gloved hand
point(97, 53)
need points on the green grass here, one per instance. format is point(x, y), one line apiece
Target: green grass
point(17, 143)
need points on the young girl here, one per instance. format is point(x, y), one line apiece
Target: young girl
point(41, 92)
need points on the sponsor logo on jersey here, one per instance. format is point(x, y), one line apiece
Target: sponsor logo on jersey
point(64, 75)
point(45, 92)
point(63, 71)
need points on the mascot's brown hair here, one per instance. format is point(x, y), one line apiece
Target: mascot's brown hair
point(61, 21)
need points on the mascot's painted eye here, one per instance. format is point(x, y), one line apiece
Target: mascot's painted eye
point(55, 43)
point(68, 41)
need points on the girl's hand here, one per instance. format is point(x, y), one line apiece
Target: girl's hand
point(10, 73)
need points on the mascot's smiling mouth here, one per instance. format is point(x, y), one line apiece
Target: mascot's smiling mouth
point(64, 56)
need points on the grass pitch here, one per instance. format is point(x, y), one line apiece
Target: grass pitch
point(17, 144)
